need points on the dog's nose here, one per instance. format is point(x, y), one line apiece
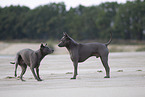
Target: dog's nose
point(52, 50)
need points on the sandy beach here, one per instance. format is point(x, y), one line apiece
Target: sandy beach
point(127, 75)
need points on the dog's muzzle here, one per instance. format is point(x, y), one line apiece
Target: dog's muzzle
point(60, 44)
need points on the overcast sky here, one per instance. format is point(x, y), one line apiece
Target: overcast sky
point(69, 3)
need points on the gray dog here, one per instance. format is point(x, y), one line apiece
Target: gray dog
point(32, 59)
point(79, 52)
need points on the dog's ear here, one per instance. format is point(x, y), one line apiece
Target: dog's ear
point(41, 46)
point(65, 34)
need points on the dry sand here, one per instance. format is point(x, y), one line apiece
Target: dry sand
point(127, 76)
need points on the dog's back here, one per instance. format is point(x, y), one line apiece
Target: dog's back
point(26, 55)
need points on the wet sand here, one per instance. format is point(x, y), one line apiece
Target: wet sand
point(127, 77)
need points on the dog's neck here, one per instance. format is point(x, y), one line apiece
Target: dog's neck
point(72, 44)
point(40, 55)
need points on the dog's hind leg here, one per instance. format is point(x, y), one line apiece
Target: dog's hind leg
point(24, 67)
point(16, 65)
point(104, 60)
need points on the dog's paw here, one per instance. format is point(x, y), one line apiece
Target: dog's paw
point(73, 78)
point(39, 80)
point(15, 75)
point(107, 77)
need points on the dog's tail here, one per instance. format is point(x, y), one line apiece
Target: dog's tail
point(12, 62)
point(109, 40)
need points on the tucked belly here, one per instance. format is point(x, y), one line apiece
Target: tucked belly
point(83, 58)
point(95, 54)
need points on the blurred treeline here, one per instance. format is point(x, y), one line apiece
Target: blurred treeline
point(125, 21)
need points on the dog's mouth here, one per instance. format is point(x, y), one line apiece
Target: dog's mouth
point(59, 45)
point(50, 52)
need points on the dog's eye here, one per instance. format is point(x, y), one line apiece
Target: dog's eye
point(61, 41)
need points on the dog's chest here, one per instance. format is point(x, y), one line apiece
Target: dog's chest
point(73, 55)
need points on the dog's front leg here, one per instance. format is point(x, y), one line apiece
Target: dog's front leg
point(37, 71)
point(75, 64)
point(32, 69)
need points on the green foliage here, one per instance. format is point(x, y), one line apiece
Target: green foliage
point(130, 20)
point(126, 21)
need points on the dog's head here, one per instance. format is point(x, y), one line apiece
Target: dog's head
point(45, 50)
point(65, 40)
